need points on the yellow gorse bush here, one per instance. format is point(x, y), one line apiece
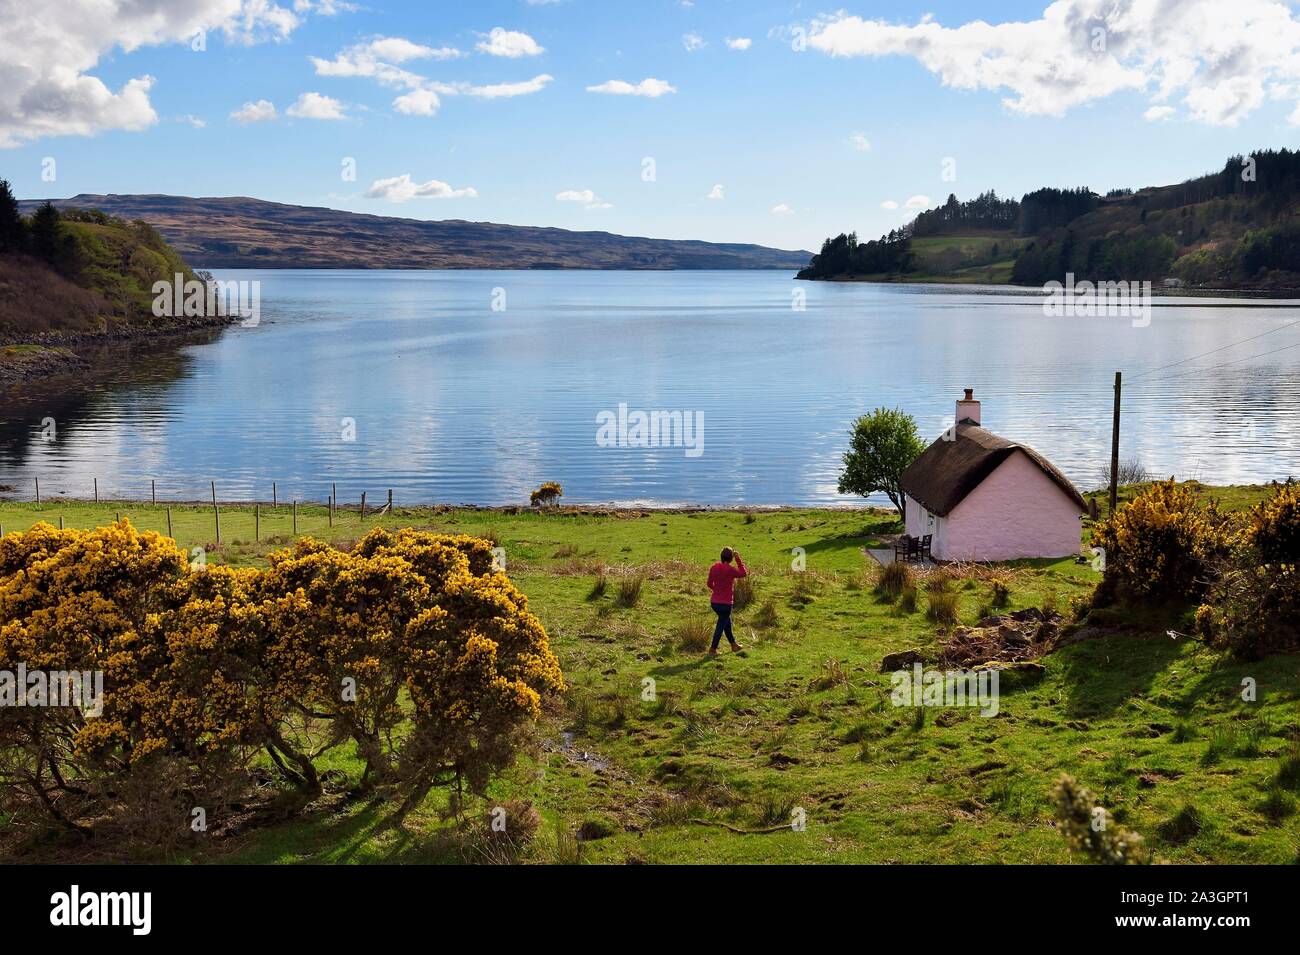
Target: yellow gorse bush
point(1158, 547)
point(547, 493)
point(1253, 608)
point(1274, 528)
point(410, 647)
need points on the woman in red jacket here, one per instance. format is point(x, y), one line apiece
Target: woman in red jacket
point(722, 580)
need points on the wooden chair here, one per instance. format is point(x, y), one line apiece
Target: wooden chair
point(925, 547)
point(907, 549)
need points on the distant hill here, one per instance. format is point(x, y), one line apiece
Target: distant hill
point(237, 232)
point(1238, 227)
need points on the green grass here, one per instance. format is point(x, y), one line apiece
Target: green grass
point(801, 719)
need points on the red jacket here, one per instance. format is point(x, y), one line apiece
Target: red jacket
point(722, 580)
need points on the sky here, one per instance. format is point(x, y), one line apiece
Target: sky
point(722, 120)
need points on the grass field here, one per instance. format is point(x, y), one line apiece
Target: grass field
point(802, 719)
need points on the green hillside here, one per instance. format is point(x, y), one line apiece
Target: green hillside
point(1238, 227)
point(76, 273)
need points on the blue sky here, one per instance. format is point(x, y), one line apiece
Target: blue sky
point(823, 118)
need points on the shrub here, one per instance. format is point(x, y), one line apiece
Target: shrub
point(598, 587)
point(1288, 770)
point(832, 675)
point(1274, 526)
point(1278, 804)
point(1253, 611)
point(941, 608)
point(1001, 594)
point(894, 579)
point(1184, 826)
point(1090, 829)
point(940, 582)
point(1131, 471)
point(804, 592)
point(694, 633)
point(203, 668)
point(743, 594)
point(907, 600)
point(1159, 546)
point(548, 494)
point(515, 819)
point(767, 615)
point(628, 592)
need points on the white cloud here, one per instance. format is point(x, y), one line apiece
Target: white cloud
point(917, 202)
point(1156, 113)
point(499, 90)
point(692, 42)
point(316, 106)
point(889, 204)
point(402, 189)
point(377, 58)
point(325, 8)
point(716, 192)
point(508, 43)
point(417, 103)
point(1223, 59)
point(396, 49)
point(648, 87)
point(860, 142)
point(47, 51)
point(781, 209)
point(587, 198)
point(194, 121)
point(260, 112)
point(738, 43)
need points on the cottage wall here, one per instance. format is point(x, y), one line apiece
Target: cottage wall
point(920, 522)
point(1017, 511)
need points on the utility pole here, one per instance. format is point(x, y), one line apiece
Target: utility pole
point(1114, 449)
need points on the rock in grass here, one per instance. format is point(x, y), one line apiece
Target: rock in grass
point(901, 660)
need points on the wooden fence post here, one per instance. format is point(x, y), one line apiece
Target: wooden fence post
point(331, 510)
point(295, 517)
point(96, 490)
point(363, 505)
point(274, 499)
point(257, 522)
point(38, 490)
point(169, 524)
point(216, 515)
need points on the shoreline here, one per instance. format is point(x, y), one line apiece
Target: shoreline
point(32, 356)
point(586, 509)
point(575, 510)
point(1249, 291)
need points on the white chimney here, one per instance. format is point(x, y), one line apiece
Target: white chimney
point(968, 407)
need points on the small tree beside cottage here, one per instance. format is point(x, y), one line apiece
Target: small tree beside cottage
point(881, 446)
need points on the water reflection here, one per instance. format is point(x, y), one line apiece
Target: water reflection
point(453, 401)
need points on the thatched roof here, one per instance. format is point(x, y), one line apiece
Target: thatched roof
point(947, 471)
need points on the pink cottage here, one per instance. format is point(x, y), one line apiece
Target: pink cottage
point(982, 497)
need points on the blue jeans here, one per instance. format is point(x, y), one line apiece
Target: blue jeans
point(724, 624)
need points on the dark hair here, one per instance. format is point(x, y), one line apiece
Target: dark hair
point(726, 555)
